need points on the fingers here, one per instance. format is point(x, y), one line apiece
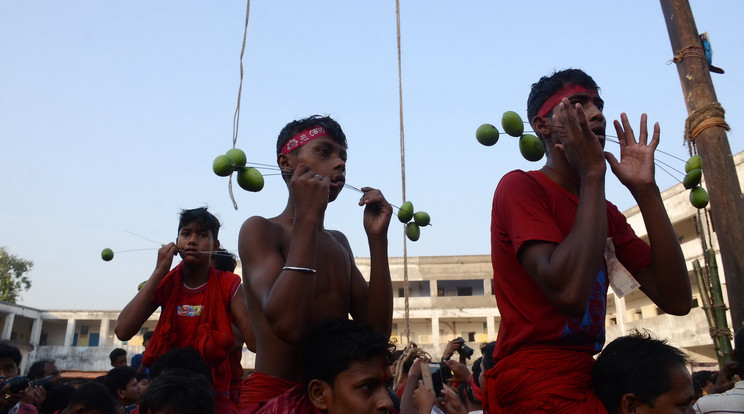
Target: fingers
point(629, 135)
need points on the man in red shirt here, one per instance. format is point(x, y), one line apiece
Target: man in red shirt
point(549, 232)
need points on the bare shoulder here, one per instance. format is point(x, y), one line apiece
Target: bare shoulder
point(341, 238)
point(258, 234)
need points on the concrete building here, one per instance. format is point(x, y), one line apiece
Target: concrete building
point(449, 297)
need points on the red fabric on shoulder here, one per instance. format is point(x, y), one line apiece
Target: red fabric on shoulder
point(542, 379)
point(259, 388)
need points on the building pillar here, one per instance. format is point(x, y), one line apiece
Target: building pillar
point(620, 306)
point(491, 326)
point(70, 332)
point(104, 332)
point(36, 332)
point(435, 333)
point(8, 326)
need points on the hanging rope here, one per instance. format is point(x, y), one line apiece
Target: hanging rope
point(236, 116)
point(708, 116)
point(402, 170)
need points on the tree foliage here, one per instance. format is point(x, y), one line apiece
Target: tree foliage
point(13, 277)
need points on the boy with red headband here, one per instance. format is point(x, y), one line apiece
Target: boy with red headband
point(550, 230)
point(297, 273)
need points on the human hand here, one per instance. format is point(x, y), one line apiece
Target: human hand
point(415, 371)
point(309, 191)
point(423, 398)
point(34, 395)
point(452, 403)
point(377, 212)
point(576, 140)
point(723, 380)
point(460, 372)
point(450, 349)
point(636, 167)
point(165, 257)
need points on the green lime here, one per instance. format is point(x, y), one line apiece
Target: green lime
point(223, 166)
point(405, 212)
point(699, 197)
point(413, 232)
point(512, 124)
point(250, 179)
point(692, 179)
point(107, 254)
point(422, 218)
point(531, 147)
point(237, 156)
point(694, 163)
point(487, 134)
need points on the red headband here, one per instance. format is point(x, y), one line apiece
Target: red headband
point(303, 138)
point(566, 91)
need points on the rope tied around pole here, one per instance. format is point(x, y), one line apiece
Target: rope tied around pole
point(689, 51)
point(710, 115)
point(721, 332)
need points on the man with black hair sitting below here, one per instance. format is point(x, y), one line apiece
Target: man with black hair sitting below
point(346, 369)
point(122, 383)
point(178, 391)
point(118, 357)
point(92, 398)
point(727, 393)
point(639, 374)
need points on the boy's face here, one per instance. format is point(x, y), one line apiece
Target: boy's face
point(678, 400)
point(120, 361)
point(195, 244)
point(361, 389)
point(131, 393)
point(327, 158)
point(8, 367)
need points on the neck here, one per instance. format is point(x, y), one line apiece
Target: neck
point(197, 275)
point(562, 174)
point(288, 215)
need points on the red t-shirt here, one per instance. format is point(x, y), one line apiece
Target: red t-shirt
point(191, 303)
point(530, 206)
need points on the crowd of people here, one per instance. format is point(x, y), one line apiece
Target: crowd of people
point(556, 245)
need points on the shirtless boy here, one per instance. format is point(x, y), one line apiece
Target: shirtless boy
point(297, 273)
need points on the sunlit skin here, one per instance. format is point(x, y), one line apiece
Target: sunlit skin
point(360, 389)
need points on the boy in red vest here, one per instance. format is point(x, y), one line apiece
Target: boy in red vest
point(199, 303)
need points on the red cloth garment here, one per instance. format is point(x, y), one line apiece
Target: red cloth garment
point(293, 401)
point(236, 375)
point(477, 391)
point(199, 318)
point(259, 388)
point(529, 206)
point(542, 379)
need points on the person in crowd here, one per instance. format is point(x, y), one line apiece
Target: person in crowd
point(178, 391)
point(92, 398)
point(727, 393)
point(118, 357)
point(122, 384)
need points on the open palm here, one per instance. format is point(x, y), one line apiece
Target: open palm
point(636, 165)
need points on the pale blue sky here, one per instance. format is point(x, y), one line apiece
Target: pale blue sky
point(112, 112)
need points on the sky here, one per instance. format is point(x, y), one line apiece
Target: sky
point(112, 112)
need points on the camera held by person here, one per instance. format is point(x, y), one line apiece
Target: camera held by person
point(457, 345)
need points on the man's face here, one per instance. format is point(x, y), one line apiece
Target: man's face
point(50, 368)
point(120, 361)
point(195, 244)
point(131, 393)
point(8, 367)
point(327, 158)
point(361, 389)
point(678, 400)
point(593, 106)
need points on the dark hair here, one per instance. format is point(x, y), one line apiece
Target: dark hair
point(116, 353)
point(147, 336)
point(9, 351)
point(336, 343)
point(57, 398)
point(477, 371)
point(94, 397)
point(543, 89)
point(202, 219)
point(487, 350)
point(295, 127)
point(178, 392)
point(638, 364)
point(188, 359)
point(36, 370)
point(141, 375)
point(224, 260)
point(118, 378)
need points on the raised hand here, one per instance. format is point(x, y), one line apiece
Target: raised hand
point(636, 166)
point(377, 212)
point(309, 192)
point(576, 141)
point(165, 257)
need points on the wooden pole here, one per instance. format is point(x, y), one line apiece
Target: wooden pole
point(726, 202)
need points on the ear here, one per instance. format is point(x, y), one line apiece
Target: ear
point(283, 161)
point(319, 393)
point(121, 393)
point(216, 245)
point(629, 404)
point(541, 125)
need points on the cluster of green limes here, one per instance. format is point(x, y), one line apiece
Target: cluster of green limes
point(249, 178)
point(420, 219)
point(530, 146)
point(694, 170)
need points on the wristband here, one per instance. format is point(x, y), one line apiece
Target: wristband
point(299, 269)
